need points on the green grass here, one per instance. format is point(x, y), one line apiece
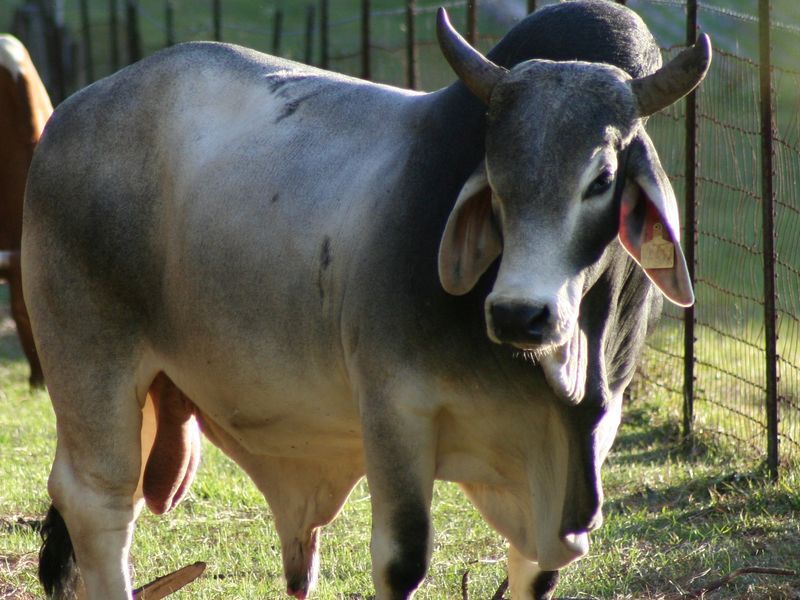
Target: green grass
point(675, 521)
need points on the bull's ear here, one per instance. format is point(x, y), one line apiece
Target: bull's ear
point(648, 223)
point(471, 240)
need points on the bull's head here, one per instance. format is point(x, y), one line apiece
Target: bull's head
point(569, 168)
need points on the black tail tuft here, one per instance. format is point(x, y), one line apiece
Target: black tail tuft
point(58, 572)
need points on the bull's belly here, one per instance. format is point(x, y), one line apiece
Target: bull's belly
point(312, 413)
point(283, 435)
point(276, 416)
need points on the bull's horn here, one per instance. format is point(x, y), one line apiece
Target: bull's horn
point(477, 72)
point(675, 79)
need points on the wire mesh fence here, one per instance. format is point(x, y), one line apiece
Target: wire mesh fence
point(732, 363)
point(734, 322)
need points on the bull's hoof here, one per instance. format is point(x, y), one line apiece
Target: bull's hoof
point(298, 588)
point(36, 380)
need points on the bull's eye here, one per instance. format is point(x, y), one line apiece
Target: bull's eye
point(601, 184)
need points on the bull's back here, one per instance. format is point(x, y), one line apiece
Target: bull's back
point(211, 197)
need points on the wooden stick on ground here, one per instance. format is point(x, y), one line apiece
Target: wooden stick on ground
point(164, 586)
point(498, 595)
point(718, 583)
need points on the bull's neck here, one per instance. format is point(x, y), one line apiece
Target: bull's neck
point(457, 119)
point(456, 124)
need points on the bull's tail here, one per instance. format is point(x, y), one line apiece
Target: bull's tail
point(58, 571)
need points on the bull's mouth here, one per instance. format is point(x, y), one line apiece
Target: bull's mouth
point(577, 543)
point(563, 552)
point(531, 347)
point(533, 353)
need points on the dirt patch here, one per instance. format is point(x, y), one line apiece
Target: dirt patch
point(10, 568)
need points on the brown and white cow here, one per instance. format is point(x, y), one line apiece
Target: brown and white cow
point(24, 109)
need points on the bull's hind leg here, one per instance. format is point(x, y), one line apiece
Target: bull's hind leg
point(94, 479)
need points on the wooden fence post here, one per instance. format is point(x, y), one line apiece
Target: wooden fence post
point(768, 217)
point(531, 5)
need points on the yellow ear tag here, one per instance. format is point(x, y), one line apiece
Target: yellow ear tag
point(658, 253)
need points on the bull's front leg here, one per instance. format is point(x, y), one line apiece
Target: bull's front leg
point(400, 453)
point(526, 580)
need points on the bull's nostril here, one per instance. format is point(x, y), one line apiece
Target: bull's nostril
point(502, 317)
point(537, 322)
point(519, 322)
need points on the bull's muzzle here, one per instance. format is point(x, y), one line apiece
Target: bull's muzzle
point(522, 324)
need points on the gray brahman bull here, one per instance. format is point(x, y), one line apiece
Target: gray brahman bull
point(331, 278)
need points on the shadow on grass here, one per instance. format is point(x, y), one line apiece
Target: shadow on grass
point(685, 496)
point(700, 529)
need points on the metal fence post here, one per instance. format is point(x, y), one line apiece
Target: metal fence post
point(169, 23)
point(54, 44)
point(366, 67)
point(324, 34)
point(411, 45)
point(768, 212)
point(310, 18)
point(134, 42)
point(86, 34)
point(472, 21)
point(216, 19)
point(690, 238)
point(277, 30)
point(113, 29)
